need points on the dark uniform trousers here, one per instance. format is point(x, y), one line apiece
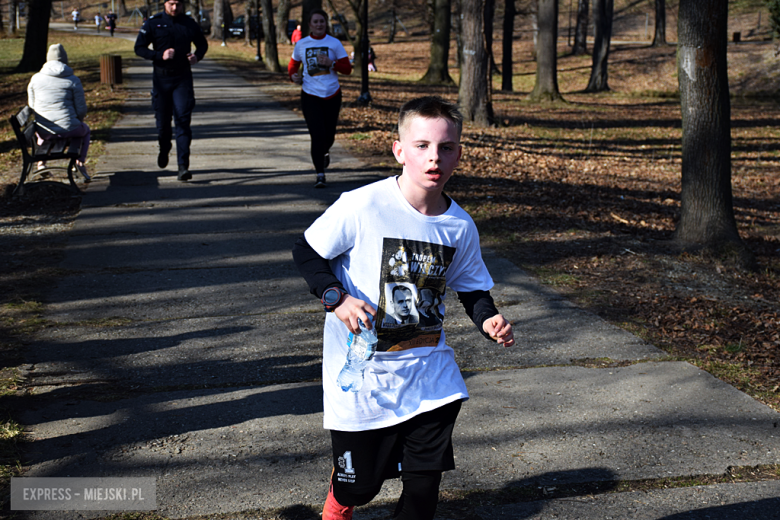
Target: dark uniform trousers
point(173, 97)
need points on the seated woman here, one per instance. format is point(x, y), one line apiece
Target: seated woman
point(57, 98)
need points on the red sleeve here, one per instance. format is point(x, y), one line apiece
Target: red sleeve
point(292, 67)
point(343, 65)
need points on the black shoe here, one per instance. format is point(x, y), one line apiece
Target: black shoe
point(162, 157)
point(327, 160)
point(320, 181)
point(184, 173)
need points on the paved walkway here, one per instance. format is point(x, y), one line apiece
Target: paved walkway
point(187, 348)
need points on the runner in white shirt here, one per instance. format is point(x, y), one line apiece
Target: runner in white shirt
point(361, 257)
point(322, 57)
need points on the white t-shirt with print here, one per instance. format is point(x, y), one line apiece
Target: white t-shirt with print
point(319, 81)
point(379, 247)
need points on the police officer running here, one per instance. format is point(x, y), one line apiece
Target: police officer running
point(171, 34)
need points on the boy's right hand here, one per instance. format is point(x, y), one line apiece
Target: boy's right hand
point(351, 309)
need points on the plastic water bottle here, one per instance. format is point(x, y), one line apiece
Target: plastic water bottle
point(361, 347)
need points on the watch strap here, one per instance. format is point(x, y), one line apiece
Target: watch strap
point(328, 301)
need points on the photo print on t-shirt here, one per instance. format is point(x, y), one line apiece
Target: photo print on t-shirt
point(411, 293)
point(312, 67)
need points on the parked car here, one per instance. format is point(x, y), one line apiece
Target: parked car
point(236, 28)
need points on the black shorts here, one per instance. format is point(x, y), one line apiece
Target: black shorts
point(363, 460)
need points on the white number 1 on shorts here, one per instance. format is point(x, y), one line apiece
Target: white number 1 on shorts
point(348, 460)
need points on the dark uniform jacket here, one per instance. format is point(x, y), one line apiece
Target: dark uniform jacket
point(165, 32)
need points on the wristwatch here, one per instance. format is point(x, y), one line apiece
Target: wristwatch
point(332, 298)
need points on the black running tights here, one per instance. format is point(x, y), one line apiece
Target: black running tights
point(420, 495)
point(321, 117)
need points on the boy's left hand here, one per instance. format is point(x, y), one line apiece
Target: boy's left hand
point(499, 329)
point(351, 309)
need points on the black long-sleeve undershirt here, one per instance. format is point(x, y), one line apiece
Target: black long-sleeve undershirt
point(319, 276)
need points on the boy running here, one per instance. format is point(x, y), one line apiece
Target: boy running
point(398, 232)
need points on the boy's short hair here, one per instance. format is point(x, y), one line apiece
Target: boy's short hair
point(429, 107)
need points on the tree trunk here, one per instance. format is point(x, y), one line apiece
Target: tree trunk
point(271, 53)
point(490, 14)
point(218, 23)
point(546, 87)
point(507, 39)
point(660, 23)
point(602, 19)
point(581, 30)
point(458, 28)
point(12, 7)
point(282, 16)
point(248, 22)
point(307, 6)
point(430, 15)
point(474, 93)
point(706, 206)
point(258, 55)
point(36, 42)
point(123, 8)
point(391, 35)
point(438, 69)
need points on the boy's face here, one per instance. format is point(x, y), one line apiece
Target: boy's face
point(429, 150)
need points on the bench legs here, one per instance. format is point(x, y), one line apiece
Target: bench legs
point(71, 169)
point(27, 169)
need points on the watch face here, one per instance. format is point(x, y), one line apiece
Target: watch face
point(331, 296)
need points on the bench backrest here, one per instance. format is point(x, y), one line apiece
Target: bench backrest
point(24, 128)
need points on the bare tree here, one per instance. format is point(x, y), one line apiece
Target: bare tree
point(218, 20)
point(660, 23)
point(271, 54)
point(123, 8)
point(248, 22)
point(457, 27)
point(581, 30)
point(706, 209)
point(474, 93)
point(36, 38)
point(438, 68)
point(546, 86)
point(490, 14)
point(13, 6)
point(259, 55)
point(602, 19)
point(282, 15)
point(391, 35)
point(507, 39)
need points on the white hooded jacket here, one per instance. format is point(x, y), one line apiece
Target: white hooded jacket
point(57, 96)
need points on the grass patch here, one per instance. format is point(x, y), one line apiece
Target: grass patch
point(552, 277)
point(10, 434)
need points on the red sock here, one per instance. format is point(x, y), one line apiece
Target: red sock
point(335, 511)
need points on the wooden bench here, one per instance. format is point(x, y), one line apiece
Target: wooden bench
point(25, 128)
